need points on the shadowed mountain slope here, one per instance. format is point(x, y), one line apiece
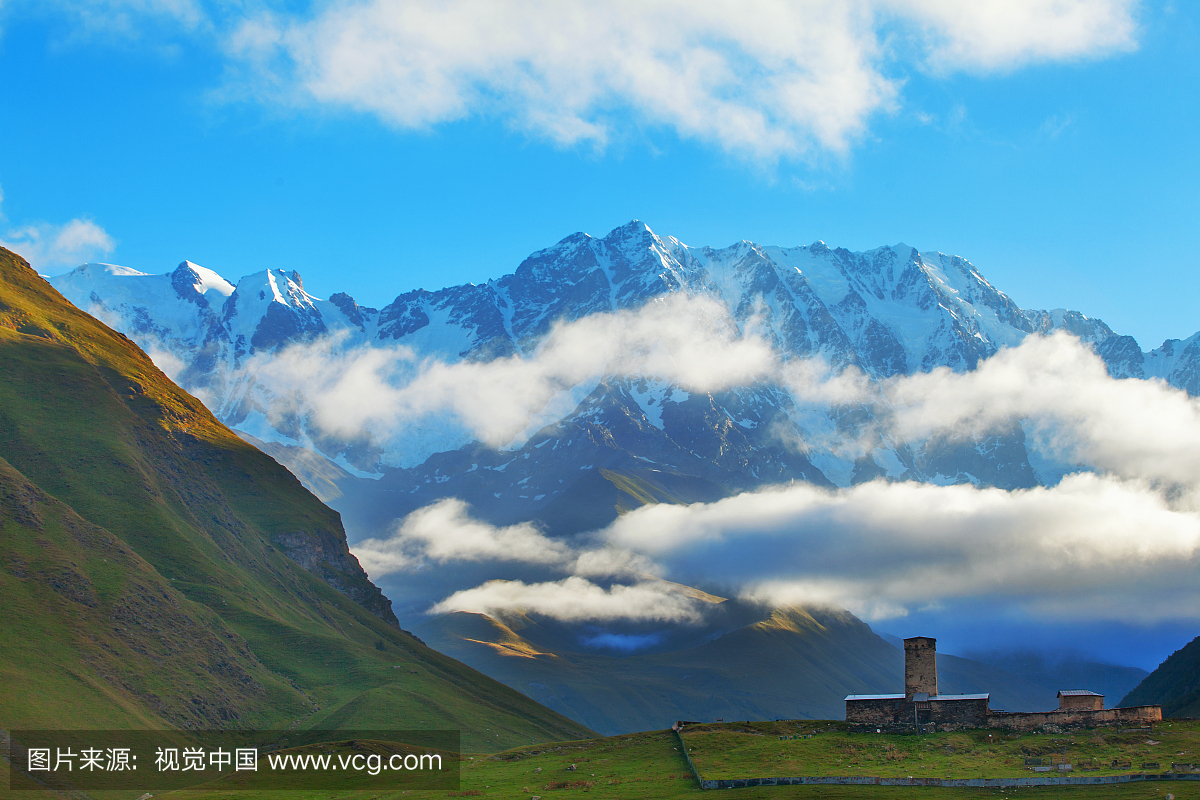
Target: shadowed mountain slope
point(1175, 685)
point(157, 570)
point(744, 663)
point(1069, 671)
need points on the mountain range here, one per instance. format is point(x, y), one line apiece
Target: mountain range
point(613, 441)
point(887, 312)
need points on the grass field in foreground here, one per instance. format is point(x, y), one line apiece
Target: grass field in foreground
point(649, 766)
point(755, 750)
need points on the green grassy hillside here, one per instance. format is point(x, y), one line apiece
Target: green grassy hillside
point(158, 570)
point(1175, 685)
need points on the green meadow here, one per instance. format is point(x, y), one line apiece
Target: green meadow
point(756, 749)
point(650, 765)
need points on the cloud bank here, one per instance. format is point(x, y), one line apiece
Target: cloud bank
point(765, 80)
point(1117, 540)
point(1093, 547)
point(690, 342)
point(1074, 411)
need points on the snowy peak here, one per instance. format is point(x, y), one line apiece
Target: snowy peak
point(201, 279)
point(269, 309)
point(583, 275)
point(1177, 362)
point(192, 282)
point(275, 286)
point(95, 270)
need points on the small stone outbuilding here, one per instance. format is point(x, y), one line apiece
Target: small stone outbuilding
point(1080, 700)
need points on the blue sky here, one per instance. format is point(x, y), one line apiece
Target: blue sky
point(382, 145)
point(1059, 155)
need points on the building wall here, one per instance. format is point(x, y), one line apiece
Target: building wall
point(1081, 701)
point(959, 713)
point(879, 712)
point(897, 713)
point(920, 665)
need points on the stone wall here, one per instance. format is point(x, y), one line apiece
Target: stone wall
point(1075, 718)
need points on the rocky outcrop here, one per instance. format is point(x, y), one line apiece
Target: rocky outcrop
point(325, 554)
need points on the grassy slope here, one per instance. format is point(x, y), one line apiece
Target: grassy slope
point(141, 543)
point(1175, 685)
point(95, 637)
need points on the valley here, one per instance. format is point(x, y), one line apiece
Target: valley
point(596, 448)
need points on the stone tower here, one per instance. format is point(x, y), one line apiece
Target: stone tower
point(920, 666)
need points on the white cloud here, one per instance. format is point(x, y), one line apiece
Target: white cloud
point(575, 599)
point(569, 70)
point(613, 562)
point(767, 79)
point(690, 342)
point(986, 35)
point(763, 80)
point(48, 247)
point(1137, 429)
point(444, 531)
point(1093, 546)
point(171, 365)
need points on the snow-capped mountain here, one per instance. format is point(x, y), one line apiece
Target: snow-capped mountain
point(887, 312)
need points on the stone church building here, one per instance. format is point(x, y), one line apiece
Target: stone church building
point(921, 707)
